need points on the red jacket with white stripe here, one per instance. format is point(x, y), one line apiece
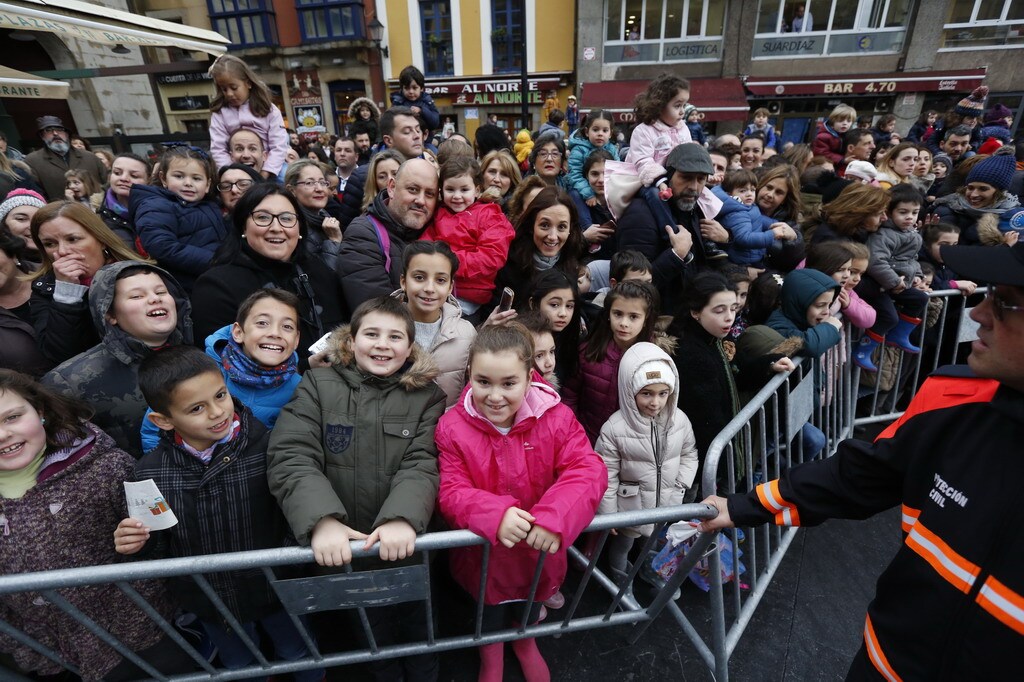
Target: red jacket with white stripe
point(950, 606)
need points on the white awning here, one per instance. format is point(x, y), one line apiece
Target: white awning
point(99, 24)
point(26, 86)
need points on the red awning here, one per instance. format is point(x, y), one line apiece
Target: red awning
point(867, 84)
point(721, 99)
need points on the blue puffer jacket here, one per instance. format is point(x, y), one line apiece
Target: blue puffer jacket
point(579, 149)
point(181, 235)
point(264, 403)
point(751, 232)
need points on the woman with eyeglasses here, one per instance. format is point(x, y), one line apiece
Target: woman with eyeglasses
point(307, 180)
point(264, 249)
point(547, 160)
point(126, 171)
point(233, 181)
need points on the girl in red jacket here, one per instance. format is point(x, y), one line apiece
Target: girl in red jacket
point(478, 232)
point(630, 311)
point(517, 469)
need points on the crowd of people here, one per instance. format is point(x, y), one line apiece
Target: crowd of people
point(353, 339)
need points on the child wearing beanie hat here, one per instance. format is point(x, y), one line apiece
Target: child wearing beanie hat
point(18, 222)
point(648, 429)
point(973, 106)
point(997, 127)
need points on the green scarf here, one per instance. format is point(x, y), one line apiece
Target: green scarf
point(14, 484)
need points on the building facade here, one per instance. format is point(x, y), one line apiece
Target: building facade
point(470, 52)
point(314, 55)
point(799, 58)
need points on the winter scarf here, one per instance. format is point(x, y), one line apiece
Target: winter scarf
point(242, 370)
point(111, 202)
point(959, 204)
point(545, 262)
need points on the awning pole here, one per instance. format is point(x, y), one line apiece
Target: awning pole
point(524, 85)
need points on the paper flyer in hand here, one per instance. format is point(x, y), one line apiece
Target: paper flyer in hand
point(146, 504)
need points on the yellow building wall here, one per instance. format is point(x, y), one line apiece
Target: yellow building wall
point(399, 45)
point(554, 34)
point(472, 57)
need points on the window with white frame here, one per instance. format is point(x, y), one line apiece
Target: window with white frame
point(793, 28)
point(975, 24)
point(663, 30)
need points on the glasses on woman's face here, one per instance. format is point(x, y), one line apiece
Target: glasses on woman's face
point(313, 184)
point(265, 218)
point(242, 185)
point(551, 154)
point(999, 305)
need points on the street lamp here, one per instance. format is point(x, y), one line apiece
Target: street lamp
point(377, 34)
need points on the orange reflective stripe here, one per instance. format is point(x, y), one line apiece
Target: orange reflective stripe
point(1003, 603)
point(876, 654)
point(909, 517)
point(960, 572)
point(772, 500)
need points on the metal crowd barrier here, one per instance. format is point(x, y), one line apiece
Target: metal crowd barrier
point(940, 344)
point(357, 590)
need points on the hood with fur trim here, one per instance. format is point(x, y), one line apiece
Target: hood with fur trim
point(353, 109)
point(418, 372)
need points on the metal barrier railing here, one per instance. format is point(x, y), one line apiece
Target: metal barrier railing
point(940, 345)
point(358, 590)
point(768, 433)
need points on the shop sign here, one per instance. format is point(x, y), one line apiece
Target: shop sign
point(692, 49)
point(789, 47)
point(184, 77)
point(485, 98)
point(488, 87)
point(307, 103)
point(882, 85)
point(189, 103)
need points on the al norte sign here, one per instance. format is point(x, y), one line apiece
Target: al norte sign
point(873, 84)
point(488, 92)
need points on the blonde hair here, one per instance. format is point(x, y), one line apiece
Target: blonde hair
point(291, 176)
point(507, 163)
point(74, 211)
point(843, 112)
point(370, 190)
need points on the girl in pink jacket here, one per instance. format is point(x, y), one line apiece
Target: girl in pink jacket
point(517, 469)
point(244, 101)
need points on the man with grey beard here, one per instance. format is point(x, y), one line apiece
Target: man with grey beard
point(675, 251)
point(58, 157)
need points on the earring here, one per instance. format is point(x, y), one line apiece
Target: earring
point(300, 236)
point(106, 252)
point(243, 236)
point(42, 420)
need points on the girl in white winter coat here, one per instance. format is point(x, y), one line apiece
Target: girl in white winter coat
point(648, 445)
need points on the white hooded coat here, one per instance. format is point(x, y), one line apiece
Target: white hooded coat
point(651, 462)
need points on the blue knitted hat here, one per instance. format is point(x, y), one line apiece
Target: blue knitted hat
point(996, 171)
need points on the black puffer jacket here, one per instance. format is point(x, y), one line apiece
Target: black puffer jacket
point(219, 291)
point(362, 266)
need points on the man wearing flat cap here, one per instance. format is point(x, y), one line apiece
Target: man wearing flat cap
point(672, 238)
point(57, 157)
point(950, 605)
